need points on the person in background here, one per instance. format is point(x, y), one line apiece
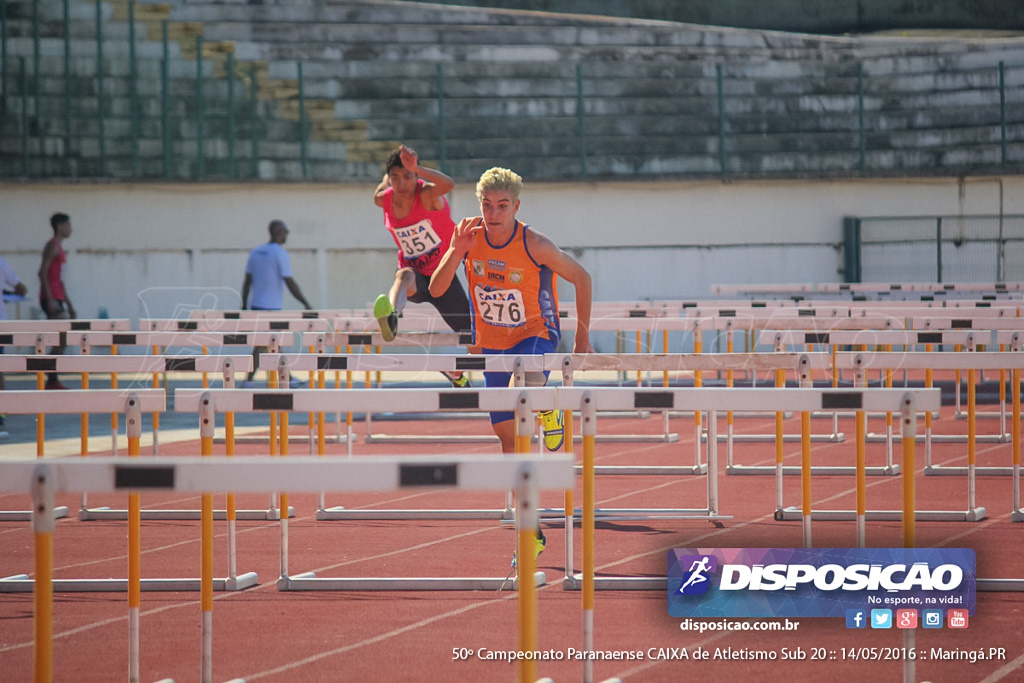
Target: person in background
point(267, 272)
point(53, 291)
point(9, 282)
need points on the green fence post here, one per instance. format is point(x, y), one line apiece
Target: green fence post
point(22, 82)
point(851, 249)
point(442, 131)
point(3, 56)
point(581, 120)
point(165, 99)
point(302, 124)
point(200, 161)
point(1002, 114)
point(35, 56)
point(721, 119)
point(253, 121)
point(232, 166)
point(67, 85)
point(860, 116)
point(133, 89)
point(101, 121)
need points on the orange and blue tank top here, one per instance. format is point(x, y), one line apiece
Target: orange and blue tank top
point(512, 297)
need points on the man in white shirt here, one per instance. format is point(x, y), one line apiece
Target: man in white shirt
point(9, 282)
point(267, 272)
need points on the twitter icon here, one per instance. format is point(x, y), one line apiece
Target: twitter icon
point(881, 618)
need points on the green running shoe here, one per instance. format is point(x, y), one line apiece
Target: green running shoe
point(386, 317)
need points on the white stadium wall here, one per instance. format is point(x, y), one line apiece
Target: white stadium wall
point(150, 250)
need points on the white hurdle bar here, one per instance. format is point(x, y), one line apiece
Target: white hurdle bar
point(266, 323)
point(66, 325)
point(36, 340)
point(526, 475)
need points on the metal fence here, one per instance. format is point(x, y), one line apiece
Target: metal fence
point(954, 248)
point(92, 99)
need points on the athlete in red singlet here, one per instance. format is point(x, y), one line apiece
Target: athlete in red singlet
point(53, 293)
point(419, 219)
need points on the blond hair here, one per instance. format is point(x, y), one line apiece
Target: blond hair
point(499, 179)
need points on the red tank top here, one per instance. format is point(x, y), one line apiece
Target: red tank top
point(55, 273)
point(512, 297)
point(422, 235)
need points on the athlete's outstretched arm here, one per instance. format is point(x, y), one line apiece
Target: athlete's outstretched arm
point(566, 267)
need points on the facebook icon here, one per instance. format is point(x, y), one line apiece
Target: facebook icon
point(856, 618)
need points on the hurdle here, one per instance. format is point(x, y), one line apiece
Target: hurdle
point(39, 341)
point(972, 361)
point(860, 361)
point(866, 337)
point(285, 363)
point(345, 337)
point(760, 319)
point(803, 400)
point(189, 335)
point(670, 362)
point(969, 339)
point(260, 474)
point(1001, 331)
point(133, 404)
point(927, 338)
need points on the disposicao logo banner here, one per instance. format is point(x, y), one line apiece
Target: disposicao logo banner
point(817, 582)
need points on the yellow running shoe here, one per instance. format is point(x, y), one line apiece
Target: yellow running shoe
point(386, 317)
point(460, 382)
point(553, 422)
point(539, 543)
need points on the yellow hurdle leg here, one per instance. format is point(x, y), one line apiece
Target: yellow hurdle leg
point(44, 525)
point(589, 429)
point(206, 421)
point(527, 524)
